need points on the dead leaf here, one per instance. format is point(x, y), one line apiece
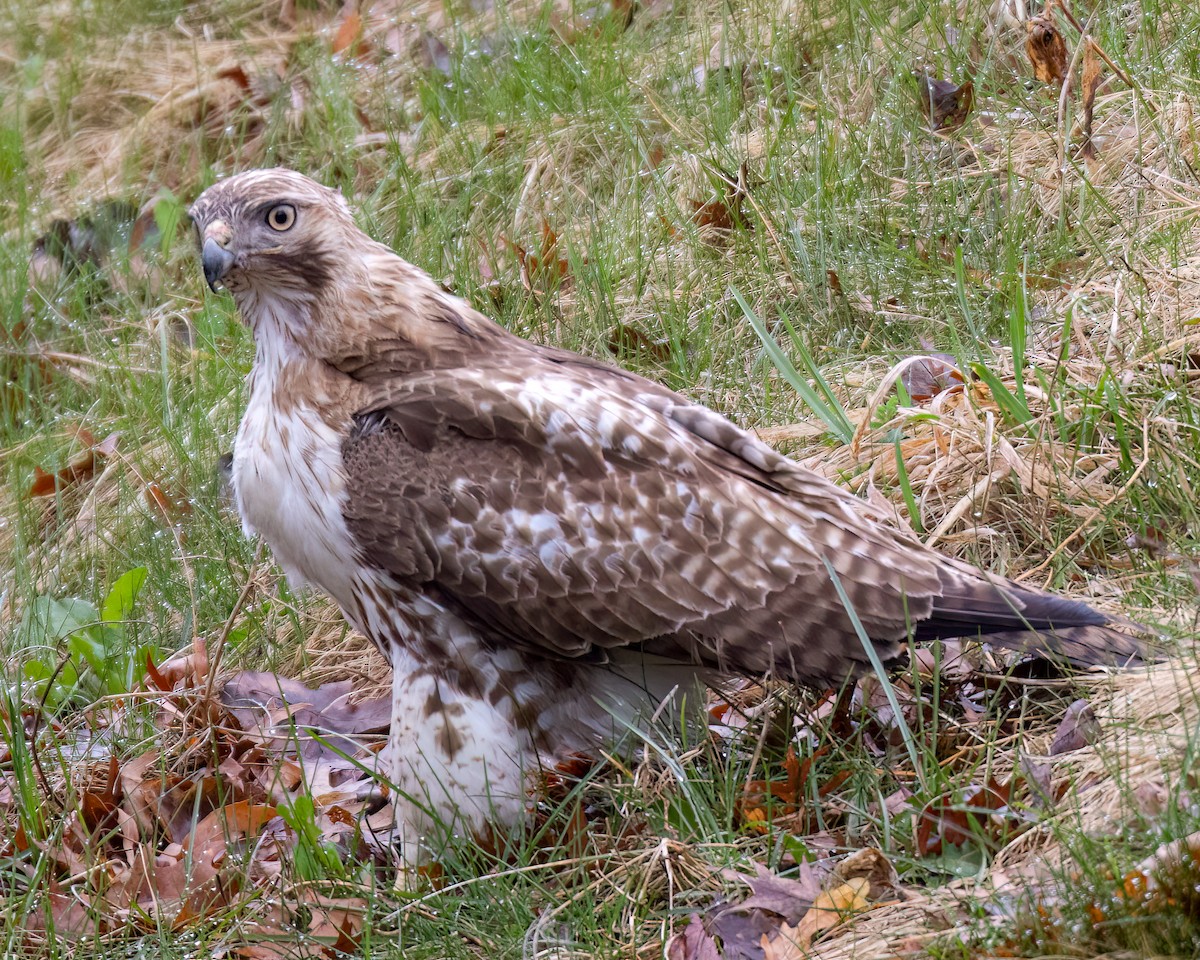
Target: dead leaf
point(329, 707)
point(872, 865)
point(545, 269)
point(828, 910)
point(1091, 81)
point(237, 73)
point(336, 922)
point(1151, 797)
point(624, 340)
point(89, 240)
point(69, 918)
point(1040, 778)
point(1046, 49)
point(349, 32)
point(98, 804)
point(693, 943)
point(724, 212)
point(925, 378)
point(784, 896)
point(231, 822)
point(944, 103)
point(79, 470)
point(436, 55)
point(958, 817)
point(171, 510)
point(1078, 728)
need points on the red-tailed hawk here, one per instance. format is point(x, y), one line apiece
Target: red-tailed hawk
point(543, 545)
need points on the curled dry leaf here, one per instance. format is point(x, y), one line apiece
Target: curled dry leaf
point(1151, 798)
point(740, 927)
point(763, 799)
point(693, 943)
point(189, 830)
point(926, 377)
point(435, 54)
point(79, 470)
point(944, 103)
point(171, 510)
point(980, 812)
point(1091, 81)
point(828, 910)
point(336, 922)
point(720, 215)
point(872, 865)
point(1078, 728)
point(349, 33)
point(1046, 49)
point(625, 340)
point(547, 269)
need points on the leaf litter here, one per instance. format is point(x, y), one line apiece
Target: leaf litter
point(104, 803)
point(197, 826)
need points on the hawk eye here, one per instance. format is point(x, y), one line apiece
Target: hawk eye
point(281, 217)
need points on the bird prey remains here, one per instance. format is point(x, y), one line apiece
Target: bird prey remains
point(542, 545)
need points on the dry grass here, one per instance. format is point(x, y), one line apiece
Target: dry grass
point(1069, 496)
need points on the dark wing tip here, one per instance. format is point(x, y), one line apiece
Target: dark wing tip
point(1020, 618)
point(1083, 646)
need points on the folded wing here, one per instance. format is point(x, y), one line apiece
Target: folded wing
point(571, 509)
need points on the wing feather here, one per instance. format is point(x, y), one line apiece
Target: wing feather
point(571, 513)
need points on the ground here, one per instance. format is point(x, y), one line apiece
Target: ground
point(775, 209)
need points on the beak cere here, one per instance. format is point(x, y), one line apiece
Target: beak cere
point(217, 260)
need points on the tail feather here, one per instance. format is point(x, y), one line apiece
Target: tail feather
point(1019, 618)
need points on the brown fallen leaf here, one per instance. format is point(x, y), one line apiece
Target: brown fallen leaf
point(349, 33)
point(99, 803)
point(68, 917)
point(870, 864)
point(693, 943)
point(958, 817)
point(944, 103)
point(435, 55)
point(1046, 48)
point(625, 340)
point(925, 378)
point(171, 510)
point(79, 470)
point(546, 269)
point(782, 797)
point(236, 73)
point(336, 922)
point(724, 212)
point(828, 910)
point(231, 822)
point(789, 898)
point(1078, 728)
point(1151, 798)
point(1091, 81)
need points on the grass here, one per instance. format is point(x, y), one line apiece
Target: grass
point(860, 238)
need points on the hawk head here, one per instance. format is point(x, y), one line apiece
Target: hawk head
point(273, 234)
point(310, 283)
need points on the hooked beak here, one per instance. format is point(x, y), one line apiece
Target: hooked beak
point(216, 260)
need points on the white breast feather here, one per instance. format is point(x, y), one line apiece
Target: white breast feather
point(290, 487)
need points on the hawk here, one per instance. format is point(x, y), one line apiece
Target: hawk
point(544, 546)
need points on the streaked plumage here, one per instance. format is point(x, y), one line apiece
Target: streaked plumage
point(542, 545)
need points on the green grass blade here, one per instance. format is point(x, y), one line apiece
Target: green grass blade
point(836, 419)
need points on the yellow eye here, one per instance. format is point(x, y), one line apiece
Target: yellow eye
point(281, 217)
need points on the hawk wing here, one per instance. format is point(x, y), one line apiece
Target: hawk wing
point(571, 508)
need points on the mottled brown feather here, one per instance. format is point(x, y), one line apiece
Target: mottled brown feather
point(545, 547)
point(739, 585)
